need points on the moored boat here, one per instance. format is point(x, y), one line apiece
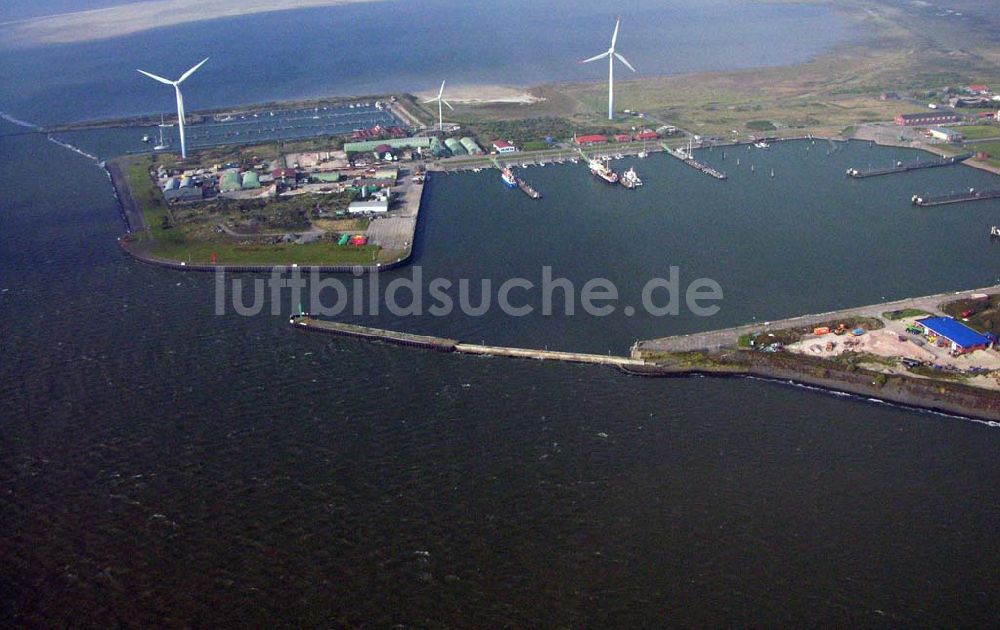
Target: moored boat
point(630, 179)
point(601, 171)
point(507, 175)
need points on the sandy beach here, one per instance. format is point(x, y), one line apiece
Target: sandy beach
point(474, 94)
point(81, 26)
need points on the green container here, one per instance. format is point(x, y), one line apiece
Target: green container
point(344, 238)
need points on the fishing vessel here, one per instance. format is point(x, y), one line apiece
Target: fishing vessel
point(507, 175)
point(601, 171)
point(761, 145)
point(630, 179)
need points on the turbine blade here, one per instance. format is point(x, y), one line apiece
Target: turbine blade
point(191, 71)
point(441, 91)
point(596, 57)
point(448, 104)
point(614, 36)
point(625, 61)
point(155, 78)
point(432, 100)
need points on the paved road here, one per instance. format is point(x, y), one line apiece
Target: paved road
point(133, 216)
point(713, 340)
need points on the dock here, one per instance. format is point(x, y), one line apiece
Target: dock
point(905, 168)
point(693, 163)
point(943, 200)
point(441, 344)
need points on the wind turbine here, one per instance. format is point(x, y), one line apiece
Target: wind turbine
point(611, 54)
point(180, 99)
point(440, 99)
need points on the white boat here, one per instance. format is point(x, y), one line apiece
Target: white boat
point(641, 154)
point(630, 179)
point(161, 145)
point(761, 145)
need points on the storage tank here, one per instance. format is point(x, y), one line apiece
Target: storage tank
point(455, 146)
point(471, 146)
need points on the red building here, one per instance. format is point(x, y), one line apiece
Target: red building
point(592, 139)
point(622, 137)
point(647, 135)
point(930, 118)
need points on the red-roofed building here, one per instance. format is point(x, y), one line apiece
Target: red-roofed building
point(591, 139)
point(502, 146)
point(979, 89)
point(622, 137)
point(647, 135)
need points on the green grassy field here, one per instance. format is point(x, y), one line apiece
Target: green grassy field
point(976, 132)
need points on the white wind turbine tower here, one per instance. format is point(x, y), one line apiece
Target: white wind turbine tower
point(440, 99)
point(180, 99)
point(611, 54)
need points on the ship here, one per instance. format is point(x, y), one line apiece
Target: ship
point(601, 171)
point(630, 179)
point(507, 175)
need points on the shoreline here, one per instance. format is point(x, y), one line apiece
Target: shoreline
point(928, 395)
point(135, 222)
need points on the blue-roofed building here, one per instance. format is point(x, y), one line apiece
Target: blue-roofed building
point(962, 338)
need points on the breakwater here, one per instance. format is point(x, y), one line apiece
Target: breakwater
point(928, 394)
point(443, 344)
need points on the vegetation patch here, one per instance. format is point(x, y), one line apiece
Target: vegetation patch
point(904, 313)
point(982, 315)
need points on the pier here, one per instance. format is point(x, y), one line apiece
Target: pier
point(306, 322)
point(904, 168)
point(693, 163)
point(971, 195)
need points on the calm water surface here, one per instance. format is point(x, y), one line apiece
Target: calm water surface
point(402, 45)
point(161, 465)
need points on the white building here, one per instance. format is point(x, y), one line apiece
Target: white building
point(502, 146)
point(378, 206)
point(948, 135)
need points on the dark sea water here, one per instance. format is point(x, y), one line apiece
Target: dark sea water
point(400, 45)
point(160, 465)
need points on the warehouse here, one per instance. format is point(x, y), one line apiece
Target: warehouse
point(962, 338)
point(471, 146)
point(455, 146)
point(941, 133)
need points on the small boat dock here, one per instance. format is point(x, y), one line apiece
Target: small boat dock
point(971, 195)
point(683, 156)
point(904, 168)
